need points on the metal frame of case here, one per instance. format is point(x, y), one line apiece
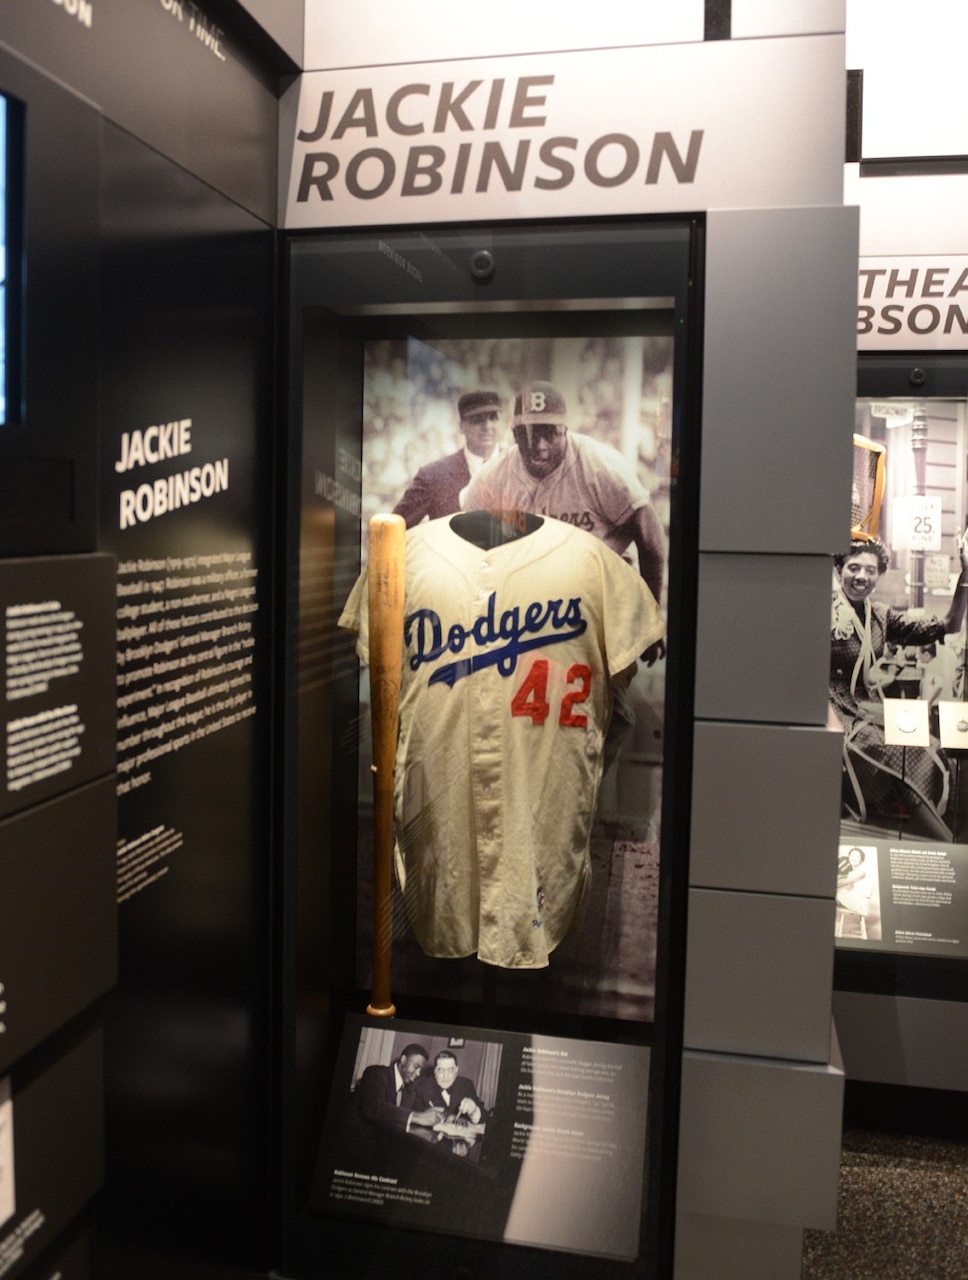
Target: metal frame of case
point(337, 284)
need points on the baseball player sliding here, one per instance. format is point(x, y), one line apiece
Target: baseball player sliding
point(574, 478)
point(511, 655)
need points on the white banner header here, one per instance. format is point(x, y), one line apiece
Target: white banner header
point(369, 32)
point(913, 303)
point(666, 129)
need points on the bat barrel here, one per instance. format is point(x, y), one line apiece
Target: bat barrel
point(385, 602)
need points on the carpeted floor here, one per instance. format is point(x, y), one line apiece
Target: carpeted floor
point(902, 1212)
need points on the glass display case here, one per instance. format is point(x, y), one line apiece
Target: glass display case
point(522, 398)
point(897, 682)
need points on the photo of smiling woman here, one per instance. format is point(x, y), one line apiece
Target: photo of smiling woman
point(871, 658)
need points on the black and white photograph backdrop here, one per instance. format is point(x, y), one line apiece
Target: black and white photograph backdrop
point(533, 1140)
point(438, 415)
point(897, 681)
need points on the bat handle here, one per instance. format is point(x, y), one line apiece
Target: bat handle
point(381, 1005)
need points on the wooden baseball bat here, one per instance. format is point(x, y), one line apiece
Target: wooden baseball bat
point(386, 579)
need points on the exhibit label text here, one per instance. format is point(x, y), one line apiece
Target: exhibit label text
point(473, 107)
point(156, 444)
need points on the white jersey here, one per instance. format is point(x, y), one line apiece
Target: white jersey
point(505, 699)
point(594, 488)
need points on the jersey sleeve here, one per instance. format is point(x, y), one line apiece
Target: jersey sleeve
point(901, 628)
point(486, 489)
point(356, 616)
point(631, 617)
point(618, 492)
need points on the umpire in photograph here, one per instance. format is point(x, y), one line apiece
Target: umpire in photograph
point(435, 489)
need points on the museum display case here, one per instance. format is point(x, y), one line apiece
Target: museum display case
point(521, 398)
point(569, 257)
point(898, 682)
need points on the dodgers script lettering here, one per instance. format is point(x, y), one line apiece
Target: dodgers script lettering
point(551, 622)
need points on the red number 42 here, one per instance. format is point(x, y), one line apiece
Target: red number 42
point(531, 698)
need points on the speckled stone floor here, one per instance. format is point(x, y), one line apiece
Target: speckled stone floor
point(902, 1212)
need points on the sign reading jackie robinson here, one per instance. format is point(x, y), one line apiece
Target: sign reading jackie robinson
point(634, 130)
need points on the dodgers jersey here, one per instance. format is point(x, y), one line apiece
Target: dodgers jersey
point(593, 488)
point(509, 655)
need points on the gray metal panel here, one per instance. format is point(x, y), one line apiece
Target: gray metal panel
point(730, 1249)
point(757, 18)
point(763, 638)
point(759, 971)
point(765, 807)
point(778, 379)
point(760, 1139)
point(284, 21)
point(899, 1040)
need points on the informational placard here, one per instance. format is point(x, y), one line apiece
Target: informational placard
point(58, 914)
point(185, 654)
point(906, 722)
point(187, 605)
point(59, 1148)
point(903, 896)
point(8, 1196)
point(953, 725)
point(533, 1140)
point(56, 641)
point(898, 686)
point(83, 42)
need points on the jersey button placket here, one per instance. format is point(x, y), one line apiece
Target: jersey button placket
point(485, 748)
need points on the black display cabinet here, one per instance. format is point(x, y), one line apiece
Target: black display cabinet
point(387, 331)
point(902, 888)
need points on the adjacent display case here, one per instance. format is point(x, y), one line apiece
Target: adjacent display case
point(898, 684)
point(525, 398)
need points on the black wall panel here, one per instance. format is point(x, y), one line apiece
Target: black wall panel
point(172, 74)
point(58, 918)
point(58, 1144)
point(186, 339)
point(148, 434)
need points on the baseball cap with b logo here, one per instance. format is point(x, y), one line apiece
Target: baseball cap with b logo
point(539, 414)
point(539, 402)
